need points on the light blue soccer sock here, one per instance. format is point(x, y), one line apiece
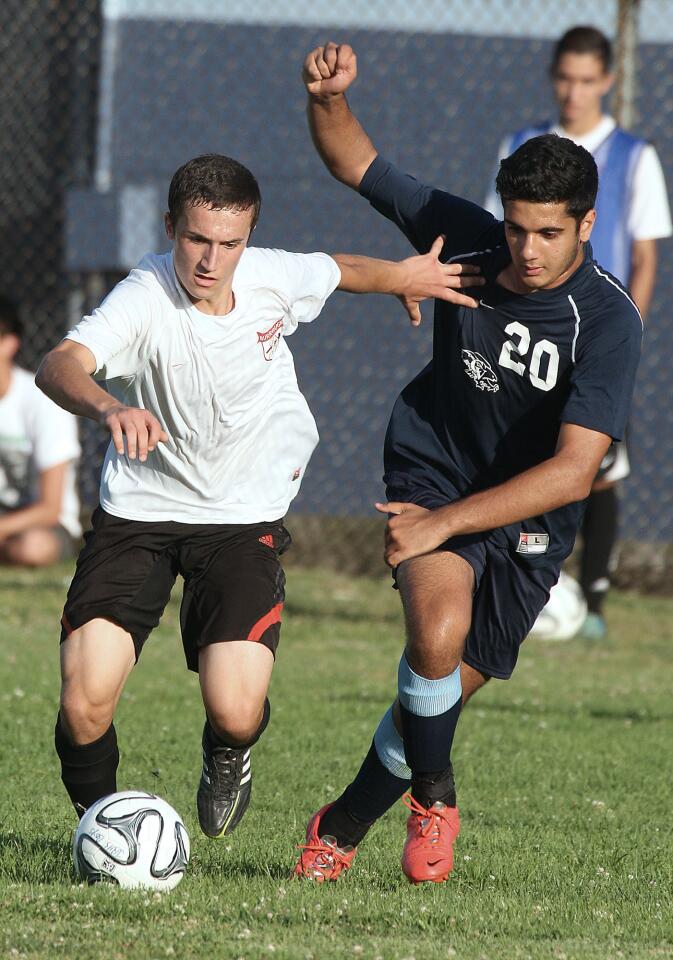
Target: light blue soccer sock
point(390, 748)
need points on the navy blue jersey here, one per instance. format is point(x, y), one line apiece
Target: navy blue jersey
point(505, 376)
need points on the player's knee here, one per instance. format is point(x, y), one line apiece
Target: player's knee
point(33, 548)
point(84, 719)
point(240, 723)
point(435, 642)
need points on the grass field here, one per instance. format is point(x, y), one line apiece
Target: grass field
point(564, 778)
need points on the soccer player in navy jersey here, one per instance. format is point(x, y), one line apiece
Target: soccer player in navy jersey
point(490, 452)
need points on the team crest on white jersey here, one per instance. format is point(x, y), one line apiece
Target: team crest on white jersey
point(479, 369)
point(270, 339)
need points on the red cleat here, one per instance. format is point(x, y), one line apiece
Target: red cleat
point(428, 851)
point(321, 859)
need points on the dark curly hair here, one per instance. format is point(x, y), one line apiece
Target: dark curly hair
point(213, 180)
point(10, 321)
point(550, 169)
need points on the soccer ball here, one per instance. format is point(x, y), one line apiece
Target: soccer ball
point(133, 839)
point(564, 612)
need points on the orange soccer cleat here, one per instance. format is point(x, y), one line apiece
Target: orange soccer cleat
point(321, 859)
point(428, 851)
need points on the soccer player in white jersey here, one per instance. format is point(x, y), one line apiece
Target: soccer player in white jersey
point(632, 214)
point(39, 453)
point(210, 437)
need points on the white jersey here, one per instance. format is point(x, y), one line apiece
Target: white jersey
point(36, 435)
point(240, 433)
point(649, 217)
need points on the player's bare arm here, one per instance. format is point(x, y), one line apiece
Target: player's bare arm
point(643, 273)
point(564, 478)
point(411, 280)
point(339, 138)
point(65, 375)
point(44, 511)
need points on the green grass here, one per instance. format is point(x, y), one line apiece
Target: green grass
point(564, 778)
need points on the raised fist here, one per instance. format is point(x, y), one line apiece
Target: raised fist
point(328, 71)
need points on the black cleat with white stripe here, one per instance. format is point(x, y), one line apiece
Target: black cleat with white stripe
point(225, 786)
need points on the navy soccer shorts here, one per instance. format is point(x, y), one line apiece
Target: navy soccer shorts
point(509, 594)
point(510, 591)
point(234, 585)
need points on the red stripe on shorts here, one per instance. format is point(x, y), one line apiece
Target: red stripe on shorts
point(273, 616)
point(66, 625)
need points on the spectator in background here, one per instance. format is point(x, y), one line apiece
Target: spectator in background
point(632, 214)
point(39, 450)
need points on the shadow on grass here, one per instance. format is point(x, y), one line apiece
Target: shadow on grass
point(598, 713)
point(344, 614)
point(358, 696)
point(241, 870)
point(34, 859)
point(32, 587)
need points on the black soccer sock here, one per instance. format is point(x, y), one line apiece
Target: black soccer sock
point(221, 740)
point(427, 747)
point(88, 771)
point(599, 533)
point(373, 791)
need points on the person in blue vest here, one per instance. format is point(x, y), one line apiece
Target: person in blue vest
point(632, 214)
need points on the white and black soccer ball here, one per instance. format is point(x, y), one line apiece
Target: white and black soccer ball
point(134, 839)
point(564, 612)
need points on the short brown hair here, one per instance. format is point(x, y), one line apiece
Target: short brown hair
point(10, 321)
point(216, 181)
point(584, 40)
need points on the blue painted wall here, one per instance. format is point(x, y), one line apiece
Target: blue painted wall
point(436, 104)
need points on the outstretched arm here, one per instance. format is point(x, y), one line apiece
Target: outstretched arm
point(342, 143)
point(65, 376)
point(412, 280)
point(564, 478)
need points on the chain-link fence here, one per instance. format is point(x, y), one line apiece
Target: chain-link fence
point(103, 101)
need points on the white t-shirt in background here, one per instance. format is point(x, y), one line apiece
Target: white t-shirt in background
point(35, 435)
point(240, 433)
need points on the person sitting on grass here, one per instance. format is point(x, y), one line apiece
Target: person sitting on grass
point(39, 453)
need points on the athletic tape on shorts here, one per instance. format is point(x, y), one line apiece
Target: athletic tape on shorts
point(390, 748)
point(427, 698)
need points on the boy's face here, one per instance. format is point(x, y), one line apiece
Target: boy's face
point(545, 242)
point(580, 82)
point(207, 245)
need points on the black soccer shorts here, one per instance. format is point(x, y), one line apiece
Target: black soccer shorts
point(234, 584)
